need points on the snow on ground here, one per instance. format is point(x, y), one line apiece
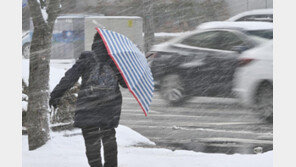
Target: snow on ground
point(67, 149)
point(57, 70)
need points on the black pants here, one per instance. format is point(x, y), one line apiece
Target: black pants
point(93, 137)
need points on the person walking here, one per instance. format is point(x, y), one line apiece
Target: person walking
point(99, 101)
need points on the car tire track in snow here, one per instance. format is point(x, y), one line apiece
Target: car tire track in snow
point(203, 125)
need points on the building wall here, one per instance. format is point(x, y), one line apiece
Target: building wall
point(130, 26)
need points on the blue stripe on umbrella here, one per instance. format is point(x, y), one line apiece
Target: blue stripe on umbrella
point(135, 80)
point(132, 64)
point(140, 63)
point(147, 80)
point(126, 63)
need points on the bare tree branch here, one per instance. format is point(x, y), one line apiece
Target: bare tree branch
point(36, 14)
point(42, 3)
point(53, 11)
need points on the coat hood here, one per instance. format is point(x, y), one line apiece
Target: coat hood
point(101, 54)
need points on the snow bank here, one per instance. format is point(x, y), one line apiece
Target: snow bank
point(67, 149)
point(127, 137)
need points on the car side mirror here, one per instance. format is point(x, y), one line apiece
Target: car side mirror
point(240, 48)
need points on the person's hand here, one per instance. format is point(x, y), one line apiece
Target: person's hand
point(53, 103)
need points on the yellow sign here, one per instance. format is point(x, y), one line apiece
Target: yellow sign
point(130, 23)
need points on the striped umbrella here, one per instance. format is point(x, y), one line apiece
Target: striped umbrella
point(131, 64)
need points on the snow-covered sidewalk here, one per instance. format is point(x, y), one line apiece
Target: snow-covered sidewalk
point(66, 149)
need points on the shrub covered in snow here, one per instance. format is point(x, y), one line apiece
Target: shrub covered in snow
point(66, 108)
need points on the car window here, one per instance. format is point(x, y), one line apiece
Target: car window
point(267, 18)
point(221, 40)
point(227, 41)
point(204, 40)
point(268, 34)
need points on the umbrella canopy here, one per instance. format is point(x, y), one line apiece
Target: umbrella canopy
point(131, 64)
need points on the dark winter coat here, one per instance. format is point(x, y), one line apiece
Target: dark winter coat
point(93, 109)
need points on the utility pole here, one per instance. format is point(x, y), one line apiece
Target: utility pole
point(148, 24)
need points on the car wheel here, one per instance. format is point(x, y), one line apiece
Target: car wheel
point(171, 89)
point(26, 51)
point(264, 101)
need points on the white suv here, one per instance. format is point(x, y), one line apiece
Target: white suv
point(253, 79)
point(254, 28)
point(265, 15)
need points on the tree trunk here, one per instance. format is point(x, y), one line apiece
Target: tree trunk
point(37, 114)
point(148, 24)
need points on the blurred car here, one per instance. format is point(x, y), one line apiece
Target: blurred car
point(67, 39)
point(66, 36)
point(265, 15)
point(253, 79)
point(260, 29)
point(199, 63)
point(26, 42)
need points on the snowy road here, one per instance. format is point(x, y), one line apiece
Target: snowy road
point(203, 125)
